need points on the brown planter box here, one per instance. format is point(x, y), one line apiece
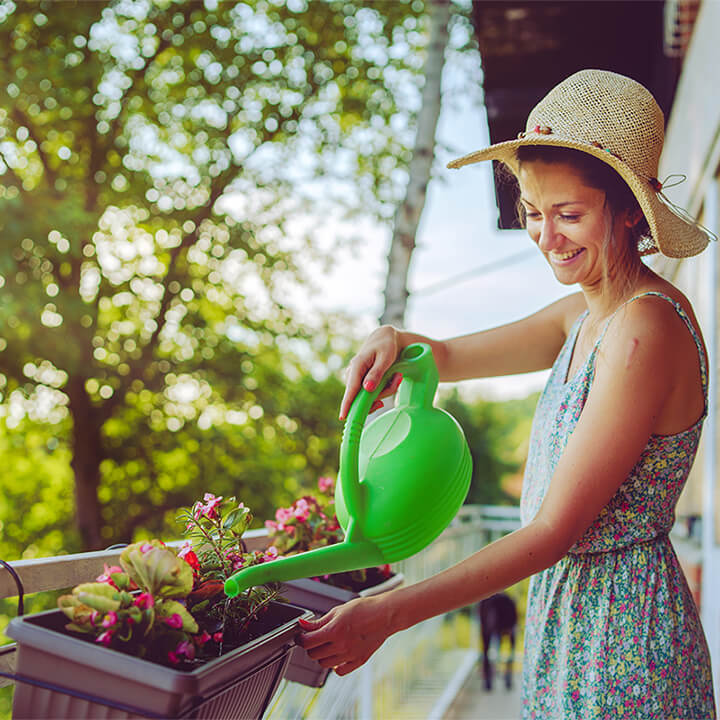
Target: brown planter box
point(86, 680)
point(321, 597)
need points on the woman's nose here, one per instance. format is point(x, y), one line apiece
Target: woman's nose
point(547, 237)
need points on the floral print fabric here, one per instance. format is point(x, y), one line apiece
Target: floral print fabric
point(612, 630)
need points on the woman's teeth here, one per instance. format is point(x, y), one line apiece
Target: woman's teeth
point(567, 255)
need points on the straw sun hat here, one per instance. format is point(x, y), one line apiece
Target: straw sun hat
point(616, 120)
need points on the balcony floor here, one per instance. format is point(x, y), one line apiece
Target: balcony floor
point(473, 702)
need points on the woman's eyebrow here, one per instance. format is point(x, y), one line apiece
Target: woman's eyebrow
point(555, 205)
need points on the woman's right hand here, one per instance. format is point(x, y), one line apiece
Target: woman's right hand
point(367, 368)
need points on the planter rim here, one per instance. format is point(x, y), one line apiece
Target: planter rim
point(341, 594)
point(144, 672)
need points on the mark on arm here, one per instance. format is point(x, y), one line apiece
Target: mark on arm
point(634, 344)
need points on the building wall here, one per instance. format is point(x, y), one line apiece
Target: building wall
point(692, 147)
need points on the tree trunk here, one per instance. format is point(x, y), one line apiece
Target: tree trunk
point(87, 455)
point(407, 217)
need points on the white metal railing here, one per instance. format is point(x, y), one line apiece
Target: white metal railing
point(415, 673)
point(396, 677)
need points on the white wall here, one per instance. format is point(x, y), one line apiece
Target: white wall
point(692, 147)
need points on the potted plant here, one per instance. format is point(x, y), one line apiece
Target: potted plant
point(156, 637)
point(310, 522)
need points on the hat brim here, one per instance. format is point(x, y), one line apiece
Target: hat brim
point(673, 235)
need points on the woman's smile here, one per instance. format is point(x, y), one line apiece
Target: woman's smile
point(564, 258)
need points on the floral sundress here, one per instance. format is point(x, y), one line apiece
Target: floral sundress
point(612, 630)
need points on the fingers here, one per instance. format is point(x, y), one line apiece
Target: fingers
point(390, 389)
point(316, 632)
point(375, 374)
point(348, 667)
point(369, 366)
point(355, 378)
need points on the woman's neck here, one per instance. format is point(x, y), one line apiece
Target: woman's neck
point(606, 296)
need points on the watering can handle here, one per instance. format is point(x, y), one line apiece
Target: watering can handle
point(420, 379)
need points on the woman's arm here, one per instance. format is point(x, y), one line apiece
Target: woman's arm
point(635, 375)
point(523, 346)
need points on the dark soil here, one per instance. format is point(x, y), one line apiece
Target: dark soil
point(351, 581)
point(276, 615)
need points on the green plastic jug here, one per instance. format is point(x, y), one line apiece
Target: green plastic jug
point(402, 480)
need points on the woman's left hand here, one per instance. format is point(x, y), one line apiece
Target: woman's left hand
point(345, 637)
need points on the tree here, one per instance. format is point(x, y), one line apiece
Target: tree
point(497, 434)
point(407, 217)
point(441, 18)
point(151, 154)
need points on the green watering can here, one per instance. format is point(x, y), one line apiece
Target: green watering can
point(402, 480)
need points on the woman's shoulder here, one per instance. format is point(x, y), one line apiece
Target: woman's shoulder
point(661, 308)
point(651, 319)
point(568, 309)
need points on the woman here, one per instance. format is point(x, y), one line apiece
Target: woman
point(611, 627)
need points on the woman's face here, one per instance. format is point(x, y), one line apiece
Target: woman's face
point(568, 220)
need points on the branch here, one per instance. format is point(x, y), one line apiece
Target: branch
point(22, 119)
point(139, 368)
point(135, 78)
point(14, 177)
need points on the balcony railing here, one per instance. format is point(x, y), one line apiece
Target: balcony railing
point(416, 673)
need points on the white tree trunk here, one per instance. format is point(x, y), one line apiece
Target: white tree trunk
point(407, 217)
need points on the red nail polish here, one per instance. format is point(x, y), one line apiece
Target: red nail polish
point(369, 385)
point(304, 623)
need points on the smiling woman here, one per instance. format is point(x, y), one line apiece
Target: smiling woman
point(612, 629)
point(591, 202)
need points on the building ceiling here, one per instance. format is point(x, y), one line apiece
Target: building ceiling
point(527, 47)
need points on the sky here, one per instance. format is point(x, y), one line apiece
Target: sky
point(458, 233)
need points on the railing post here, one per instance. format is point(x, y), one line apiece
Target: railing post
point(366, 691)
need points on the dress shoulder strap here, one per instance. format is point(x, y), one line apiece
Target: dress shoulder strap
point(684, 316)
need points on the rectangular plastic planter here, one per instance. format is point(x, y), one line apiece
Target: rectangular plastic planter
point(321, 597)
point(90, 681)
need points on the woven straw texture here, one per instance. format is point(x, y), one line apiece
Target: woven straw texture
point(617, 120)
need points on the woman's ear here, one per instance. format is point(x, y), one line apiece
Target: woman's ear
point(633, 217)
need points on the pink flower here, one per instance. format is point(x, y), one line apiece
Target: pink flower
point(104, 638)
point(174, 621)
point(271, 525)
point(108, 570)
point(186, 648)
point(144, 600)
point(282, 515)
point(326, 484)
point(202, 639)
point(217, 637)
point(238, 562)
point(290, 530)
point(110, 619)
point(211, 503)
point(301, 510)
point(271, 553)
point(146, 547)
point(173, 658)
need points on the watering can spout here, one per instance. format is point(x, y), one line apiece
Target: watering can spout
point(342, 557)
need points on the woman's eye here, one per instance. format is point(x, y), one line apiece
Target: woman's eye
point(531, 215)
point(570, 218)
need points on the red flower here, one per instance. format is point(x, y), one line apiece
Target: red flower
point(144, 600)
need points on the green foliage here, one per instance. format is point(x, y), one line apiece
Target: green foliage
point(36, 502)
point(152, 155)
point(497, 433)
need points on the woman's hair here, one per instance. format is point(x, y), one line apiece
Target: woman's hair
point(618, 197)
